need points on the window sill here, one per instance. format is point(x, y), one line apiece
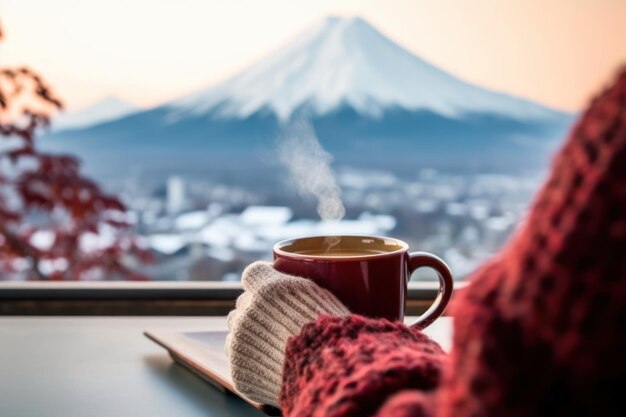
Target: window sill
point(148, 298)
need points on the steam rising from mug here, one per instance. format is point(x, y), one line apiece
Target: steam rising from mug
point(309, 165)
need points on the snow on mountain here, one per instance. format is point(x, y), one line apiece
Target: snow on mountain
point(345, 61)
point(104, 110)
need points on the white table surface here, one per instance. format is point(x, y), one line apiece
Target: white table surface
point(96, 366)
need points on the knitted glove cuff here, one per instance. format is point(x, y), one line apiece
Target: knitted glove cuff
point(351, 365)
point(409, 403)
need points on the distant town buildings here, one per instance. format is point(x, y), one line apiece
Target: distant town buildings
point(175, 195)
point(205, 230)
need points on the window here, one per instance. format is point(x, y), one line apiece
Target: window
point(223, 131)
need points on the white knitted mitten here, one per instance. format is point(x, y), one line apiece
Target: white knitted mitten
point(273, 307)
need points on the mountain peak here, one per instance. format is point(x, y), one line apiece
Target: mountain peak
point(353, 27)
point(344, 61)
point(345, 22)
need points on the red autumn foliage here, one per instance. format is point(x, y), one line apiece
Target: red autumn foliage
point(55, 224)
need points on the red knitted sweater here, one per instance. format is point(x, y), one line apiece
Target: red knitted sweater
point(541, 330)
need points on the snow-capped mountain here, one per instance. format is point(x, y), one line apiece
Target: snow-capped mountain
point(108, 108)
point(347, 62)
point(372, 103)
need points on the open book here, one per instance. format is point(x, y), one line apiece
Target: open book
point(202, 352)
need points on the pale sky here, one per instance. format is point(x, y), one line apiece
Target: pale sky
point(557, 52)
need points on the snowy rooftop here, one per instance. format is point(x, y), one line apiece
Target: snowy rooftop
point(266, 215)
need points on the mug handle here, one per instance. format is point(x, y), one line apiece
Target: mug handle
point(420, 260)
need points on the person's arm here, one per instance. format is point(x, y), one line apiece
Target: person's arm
point(545, 320)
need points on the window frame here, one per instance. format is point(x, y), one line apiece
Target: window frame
point(149, 298)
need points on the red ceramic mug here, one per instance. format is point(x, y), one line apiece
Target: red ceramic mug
point(368, 274)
